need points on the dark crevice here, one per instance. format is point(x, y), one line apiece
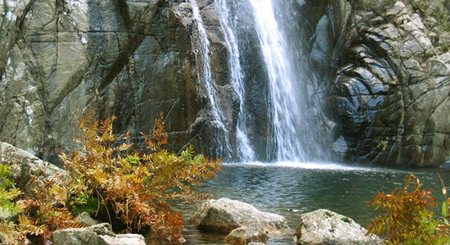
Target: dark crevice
point(132, 43)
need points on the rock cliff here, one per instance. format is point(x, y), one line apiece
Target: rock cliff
point(390, 96)
point(134, 59)
point(383, 69)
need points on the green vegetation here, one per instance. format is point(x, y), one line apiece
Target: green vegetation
point(132, 188)
point(8, 192)
point(30, 219)
point(8, 206)
point(409, 216)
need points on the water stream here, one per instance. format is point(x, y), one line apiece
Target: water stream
point(296, 135)
point(229, 26)
point(223, 145)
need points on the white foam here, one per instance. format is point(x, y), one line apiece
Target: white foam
point(308, 165)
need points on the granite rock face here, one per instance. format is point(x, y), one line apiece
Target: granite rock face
point(390, 97)
point(134, 59)
point(382, 71)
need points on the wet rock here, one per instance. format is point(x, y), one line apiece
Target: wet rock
point(224, 215)
point(100, 234)
point(326, 227)
point(245, 235)
point(389, 96)
point(377, 5)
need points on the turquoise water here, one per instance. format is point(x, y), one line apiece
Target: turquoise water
point(293, 188)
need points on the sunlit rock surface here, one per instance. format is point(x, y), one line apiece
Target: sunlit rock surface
point(224, 215)
point(100, 234)
point(25, 165)
point(326, 227)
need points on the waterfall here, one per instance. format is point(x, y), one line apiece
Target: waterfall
point(245, 151)
point(284, 83)
point(295, 133)
point(205, 76)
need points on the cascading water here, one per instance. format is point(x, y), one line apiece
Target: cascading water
point(278, 119)
point(204, 73)
point(296, 136)
point(245, 151)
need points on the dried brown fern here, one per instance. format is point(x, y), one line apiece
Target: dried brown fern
point(135, 187)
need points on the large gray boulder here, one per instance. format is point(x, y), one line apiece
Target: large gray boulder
point(100, 234)
point(224, 215)
point(326, 227)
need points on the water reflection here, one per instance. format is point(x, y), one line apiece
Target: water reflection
point(290, 191)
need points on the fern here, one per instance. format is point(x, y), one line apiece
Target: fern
point(408, 216)
point(8, 193)
point(134, 187)
point(9, 232)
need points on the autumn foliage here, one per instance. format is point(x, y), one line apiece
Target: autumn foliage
point(135, 187)
point(130, 189)
point(37, 213)
point(409, 216)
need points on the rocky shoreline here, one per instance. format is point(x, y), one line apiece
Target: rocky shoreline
point(237, 222)
point(240, 223)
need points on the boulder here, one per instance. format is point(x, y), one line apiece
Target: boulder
point(326, 227)
point(124, 239)
point(85, 219)
point(224, 215)
point(100, 234)
point(24, 165)
point(245, 235)
point(77, 236)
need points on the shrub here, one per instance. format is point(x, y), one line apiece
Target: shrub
point(8, 192)
point(33, 218)
point(8, 207)
point(408, 216)
point(134, 187)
